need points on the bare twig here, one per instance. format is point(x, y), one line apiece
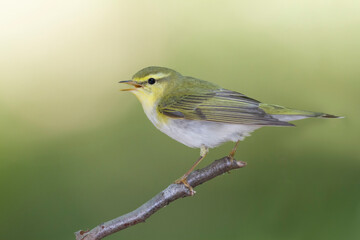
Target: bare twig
point(171, 193)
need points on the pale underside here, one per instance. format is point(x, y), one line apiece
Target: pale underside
point(194, 133)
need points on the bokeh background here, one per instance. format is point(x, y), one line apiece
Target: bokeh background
point(76, 152)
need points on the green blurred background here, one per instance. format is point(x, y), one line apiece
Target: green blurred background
point(76, 152)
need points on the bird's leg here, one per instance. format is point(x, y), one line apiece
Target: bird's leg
point(203, 151)
point(233, 151)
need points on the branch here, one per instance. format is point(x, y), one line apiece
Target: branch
point(171, 193)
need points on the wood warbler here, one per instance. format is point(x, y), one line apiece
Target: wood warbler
point(204, 115)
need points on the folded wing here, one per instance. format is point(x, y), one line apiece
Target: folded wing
point(220, 105)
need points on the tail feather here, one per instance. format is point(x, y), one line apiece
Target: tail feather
point(325, 115)
point(288, 114)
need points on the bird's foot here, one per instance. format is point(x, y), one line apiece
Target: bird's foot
point(184, 181)
point(233, 151)
point(231, 155)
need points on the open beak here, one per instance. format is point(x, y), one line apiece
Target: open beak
point(130, 82)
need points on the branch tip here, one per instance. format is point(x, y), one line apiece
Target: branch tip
point(241, 163)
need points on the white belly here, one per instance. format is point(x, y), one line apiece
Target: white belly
point(195, 134)
point(210, 134)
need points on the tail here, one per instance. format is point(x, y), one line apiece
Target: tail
point(288, 114)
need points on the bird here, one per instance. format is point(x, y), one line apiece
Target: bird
point(201, 114)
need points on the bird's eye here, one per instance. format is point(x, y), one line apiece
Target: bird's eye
point(151, 81)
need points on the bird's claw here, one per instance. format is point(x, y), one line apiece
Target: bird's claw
point(187, 185)
point(231, 156)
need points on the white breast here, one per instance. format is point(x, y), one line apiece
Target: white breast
point(194, 133)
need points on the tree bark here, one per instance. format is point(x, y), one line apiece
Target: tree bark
point(171, 193)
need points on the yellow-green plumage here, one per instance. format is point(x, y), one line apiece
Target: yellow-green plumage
point(199, 113)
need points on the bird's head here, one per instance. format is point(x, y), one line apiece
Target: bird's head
point(150, 83)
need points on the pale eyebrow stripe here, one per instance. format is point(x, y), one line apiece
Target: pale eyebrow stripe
point(156, 76)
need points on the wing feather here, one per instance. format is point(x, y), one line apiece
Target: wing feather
point(219, 105)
